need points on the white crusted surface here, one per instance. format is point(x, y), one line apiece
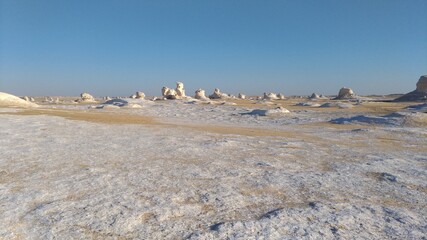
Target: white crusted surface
point(72, 179)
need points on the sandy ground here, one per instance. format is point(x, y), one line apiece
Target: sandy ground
point(177, 171)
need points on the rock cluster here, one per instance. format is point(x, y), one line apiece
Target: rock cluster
point(272, 96)
point(177, 93)
point(419, 94)
point(169, 93)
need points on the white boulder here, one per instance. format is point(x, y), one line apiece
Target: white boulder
point(86, 97)
point(345, 93)
point(270, 96)
point(217, 94)
point(140, 95)
point(241, 96)
point(180, 92)
point(200, 94)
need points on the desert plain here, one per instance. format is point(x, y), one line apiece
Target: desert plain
point(293, 168)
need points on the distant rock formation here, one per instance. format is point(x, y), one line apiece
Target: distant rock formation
point(9, 100)
point(314, 96)
point(180, 91)
point(270, 96)
point(200, 94)
point(168, 93)
point(280, 96)
point(345, 93)
point(217, 94)
point(26, 98)
point(241, 96)
point(86, 97)
point(419, 94)
point(140, 95)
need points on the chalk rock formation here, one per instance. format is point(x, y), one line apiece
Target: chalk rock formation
point(26, 98)
point(200, 94)
point(180, 92)
point(32, 99)
point(422, 84)
point(86, 97)
point(140, 95)
point(169, 93)
point(345, 93)
point(314, 96)
point(280, 96)
point(217, 94)
point(9, 100)
point(419, 94)
point(241, 96)
point(107, 98)
point(270, 96)
point(133, 96)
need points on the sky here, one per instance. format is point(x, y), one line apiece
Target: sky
point(295, 47)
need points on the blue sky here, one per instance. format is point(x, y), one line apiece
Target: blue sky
point(60, 47)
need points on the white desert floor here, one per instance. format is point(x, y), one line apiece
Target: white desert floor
point(183, 170)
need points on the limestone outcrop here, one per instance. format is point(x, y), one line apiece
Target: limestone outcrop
point(9, 100)
point(177, 93)
point(270, 96)
point(200, 94)
point(217, 94)
point(169, 93)
point(140, 95)
point(180, 91)
point(419, 94)
point(314, 96)
point(345, 93)
point(241, 96)
point(86, 97)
